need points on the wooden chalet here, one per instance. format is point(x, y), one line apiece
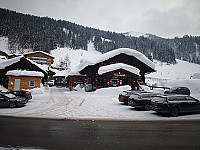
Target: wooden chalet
point(65, 78)
point(60, 78)
point(40, 57)
point(126, 56)
point(73, 80)
point(17, 63)
point(22, 79)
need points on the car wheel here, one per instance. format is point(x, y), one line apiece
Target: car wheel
point(174, 112)
point(12, 105)
point(147, 107)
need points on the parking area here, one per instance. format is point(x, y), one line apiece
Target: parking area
point(60, 103)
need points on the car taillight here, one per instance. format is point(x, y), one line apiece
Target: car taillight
point(136, 100)
point(162, 104)
point(25, 94)
point(126, 96)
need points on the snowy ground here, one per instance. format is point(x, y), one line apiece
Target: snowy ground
point(60, 103)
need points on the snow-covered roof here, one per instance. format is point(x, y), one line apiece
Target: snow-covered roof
point(112, 67)
point(62, 73)
point(131, 52)
point(7, 62)
point(25, 73)
point(65, 73)
point(42, 67)
point(39, 52)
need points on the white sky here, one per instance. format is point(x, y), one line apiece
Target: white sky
point(166, 18)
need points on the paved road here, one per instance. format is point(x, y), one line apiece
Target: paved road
point(71, 134)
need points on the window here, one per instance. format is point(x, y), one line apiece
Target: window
point(31, 83)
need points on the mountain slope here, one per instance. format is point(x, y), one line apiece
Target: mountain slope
point(43, 33)
point(185, 48)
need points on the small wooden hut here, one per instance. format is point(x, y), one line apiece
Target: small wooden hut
point(22, 79)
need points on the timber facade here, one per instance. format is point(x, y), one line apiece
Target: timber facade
point(23, 82)
point(40, 57)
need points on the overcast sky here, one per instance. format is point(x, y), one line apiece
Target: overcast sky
point(166, 18)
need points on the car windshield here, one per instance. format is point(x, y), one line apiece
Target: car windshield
point(158, 99)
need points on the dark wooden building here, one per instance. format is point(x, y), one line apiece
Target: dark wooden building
point(123, 55)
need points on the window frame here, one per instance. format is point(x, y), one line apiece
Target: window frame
point(30, 84)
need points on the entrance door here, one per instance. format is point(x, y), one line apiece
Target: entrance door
point(17, 85)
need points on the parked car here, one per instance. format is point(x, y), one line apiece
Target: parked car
point(178, 90)
point(22, 93)
point(10, 100)
point(142, 100)
point(175, 104)
point(123, 96)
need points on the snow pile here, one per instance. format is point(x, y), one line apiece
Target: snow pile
point(37, 91)
point(112, 67)
point(24, 73)
point(79, 88)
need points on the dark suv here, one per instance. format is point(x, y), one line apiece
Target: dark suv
point(142, 100)
point(22, 93)
point(175, 104)
point(123, 96)
point(178, 90)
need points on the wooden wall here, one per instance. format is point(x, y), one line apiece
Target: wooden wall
point(24, 82)
point(74, 80)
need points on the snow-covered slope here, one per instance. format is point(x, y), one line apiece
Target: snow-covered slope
point(182, 70)
point(74, 55)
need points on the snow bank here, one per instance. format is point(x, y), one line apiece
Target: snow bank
point(37, 91)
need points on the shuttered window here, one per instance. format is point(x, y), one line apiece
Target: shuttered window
point(31, 83)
